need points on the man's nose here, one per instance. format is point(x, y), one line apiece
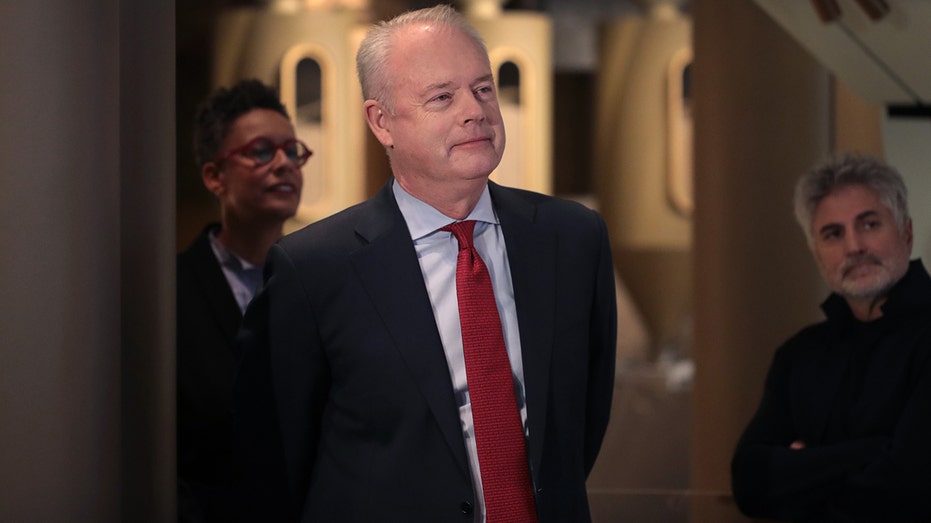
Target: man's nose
point(854, 243)
point(472, 110)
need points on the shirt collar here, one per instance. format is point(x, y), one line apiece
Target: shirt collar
point(226, 257)
point(423, 219)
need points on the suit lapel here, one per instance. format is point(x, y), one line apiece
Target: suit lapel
point(532, 259)
point(390, 272)
point(216, 289)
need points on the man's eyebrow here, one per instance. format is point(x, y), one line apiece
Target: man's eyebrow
point(434, 87)
point(862, 216)
point(828, 226)
point(484, 78)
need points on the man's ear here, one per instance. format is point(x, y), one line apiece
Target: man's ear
point(908, 233)
point(378, 119)
point(213, 181)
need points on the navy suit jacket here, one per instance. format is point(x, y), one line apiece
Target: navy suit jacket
point(345, 407)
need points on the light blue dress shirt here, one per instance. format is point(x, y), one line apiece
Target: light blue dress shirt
point(437, 252)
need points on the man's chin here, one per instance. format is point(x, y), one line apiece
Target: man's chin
point(866, 286)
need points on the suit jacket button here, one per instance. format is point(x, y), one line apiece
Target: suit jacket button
point(466, 508)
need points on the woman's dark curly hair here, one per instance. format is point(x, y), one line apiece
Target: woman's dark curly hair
point(215, 114)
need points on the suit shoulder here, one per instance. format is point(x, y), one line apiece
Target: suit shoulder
point(337, 233)
point(552, 208)
point(538, 198)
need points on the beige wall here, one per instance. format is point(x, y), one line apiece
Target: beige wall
point(87, 235)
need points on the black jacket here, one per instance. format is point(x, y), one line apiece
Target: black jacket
point(207, 359)
point(859, 396)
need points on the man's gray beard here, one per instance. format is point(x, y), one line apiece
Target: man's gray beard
point(881, 284)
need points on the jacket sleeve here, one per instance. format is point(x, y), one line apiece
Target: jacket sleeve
point(603, 352)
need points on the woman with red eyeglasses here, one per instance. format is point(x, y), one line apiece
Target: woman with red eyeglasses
point(250, 160)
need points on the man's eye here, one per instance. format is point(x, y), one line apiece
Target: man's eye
point(485, 92)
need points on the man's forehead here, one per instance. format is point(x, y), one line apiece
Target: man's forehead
point(852, 201)
point(415, 45)
point(422, 33)
point(450, 83)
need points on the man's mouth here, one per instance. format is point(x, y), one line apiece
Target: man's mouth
point(473, 141)
point(860, 266)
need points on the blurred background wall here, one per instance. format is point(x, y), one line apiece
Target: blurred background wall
point(98, 191)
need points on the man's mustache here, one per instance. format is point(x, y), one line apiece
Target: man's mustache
point(859, 259)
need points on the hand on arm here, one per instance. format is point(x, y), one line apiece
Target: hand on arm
point(775, 473)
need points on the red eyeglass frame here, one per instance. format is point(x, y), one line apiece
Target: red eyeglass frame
point(276, 146)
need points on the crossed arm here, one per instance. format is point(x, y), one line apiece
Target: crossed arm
point(870, 477)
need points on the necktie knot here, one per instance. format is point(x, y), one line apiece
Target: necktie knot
point(463, 231)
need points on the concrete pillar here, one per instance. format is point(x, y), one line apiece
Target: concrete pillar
point(762, 109)
point(147, 259)
point(86, 265)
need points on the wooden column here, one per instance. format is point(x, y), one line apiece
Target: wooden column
point(762, 110)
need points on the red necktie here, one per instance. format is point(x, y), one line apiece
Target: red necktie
point(499, 433)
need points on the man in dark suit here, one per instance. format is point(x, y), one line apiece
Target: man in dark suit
point(353, 399)
point(843, 430)
point(238, 135)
